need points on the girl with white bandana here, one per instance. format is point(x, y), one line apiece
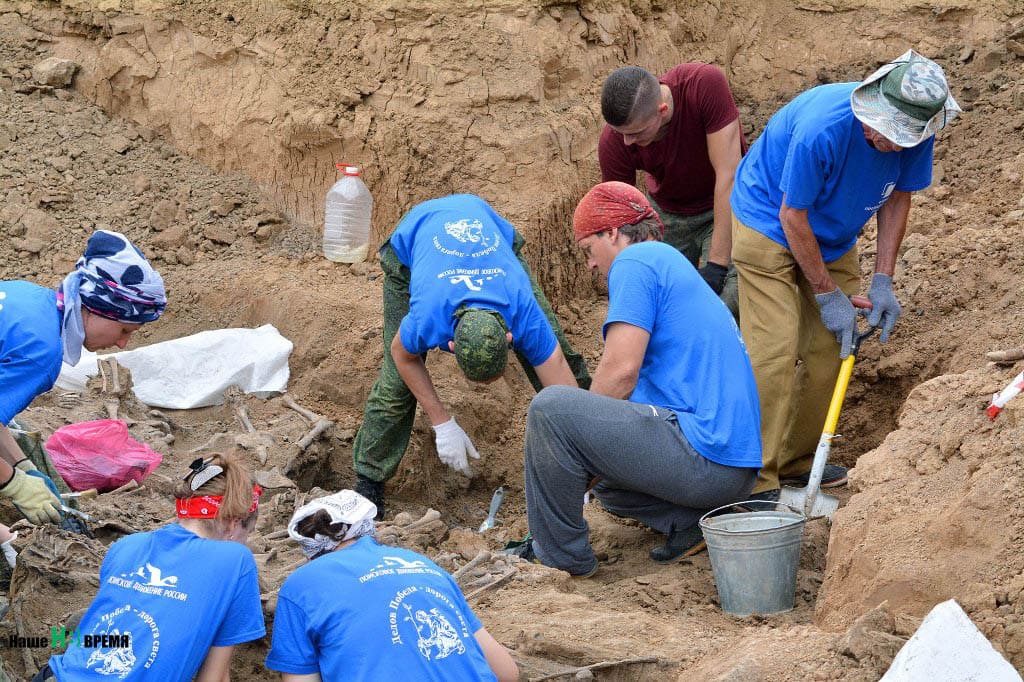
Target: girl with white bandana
point(111, 293)
point(364, 611)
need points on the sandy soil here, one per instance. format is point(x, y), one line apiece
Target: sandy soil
point(207, 132)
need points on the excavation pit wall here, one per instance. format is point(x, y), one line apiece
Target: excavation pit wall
point(502, 101)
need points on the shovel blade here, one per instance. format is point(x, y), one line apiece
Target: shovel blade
point(824, 504)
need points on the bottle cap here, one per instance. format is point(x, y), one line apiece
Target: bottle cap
point(347, 168)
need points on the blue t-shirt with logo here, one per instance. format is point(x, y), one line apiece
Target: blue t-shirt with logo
point(30, 347)
point(814, 153)
point(696, 364)
point(459, 252)
point(374, 612)
point(176, 595)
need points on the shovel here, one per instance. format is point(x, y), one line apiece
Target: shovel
point(810, 500)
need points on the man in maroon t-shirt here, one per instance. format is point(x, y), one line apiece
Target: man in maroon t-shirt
point(683, 129)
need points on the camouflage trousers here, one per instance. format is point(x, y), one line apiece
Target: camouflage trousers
point(691, 235)
point(390, 409)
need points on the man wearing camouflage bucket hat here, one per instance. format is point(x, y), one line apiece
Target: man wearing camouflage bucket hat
point(826, 163)
point(454, 279)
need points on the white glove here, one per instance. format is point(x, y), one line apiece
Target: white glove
point(453, 445)
point(8, 550)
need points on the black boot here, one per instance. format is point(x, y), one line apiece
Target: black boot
point(679, 543)
point(373, 491)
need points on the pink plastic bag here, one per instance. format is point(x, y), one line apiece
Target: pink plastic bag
point(100, 454)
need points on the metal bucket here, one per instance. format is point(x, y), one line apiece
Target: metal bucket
point(754, 556)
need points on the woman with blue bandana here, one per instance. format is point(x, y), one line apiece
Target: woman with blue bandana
point(111, 293)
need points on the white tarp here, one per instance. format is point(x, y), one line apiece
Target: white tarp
point(74, 377)
point(949, 648)
point(193, 371)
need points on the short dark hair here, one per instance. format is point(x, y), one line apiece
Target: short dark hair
point(629, 91)
point(646, 230)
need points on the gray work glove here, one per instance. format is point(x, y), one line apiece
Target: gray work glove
point(885, 308)
point(839, 317)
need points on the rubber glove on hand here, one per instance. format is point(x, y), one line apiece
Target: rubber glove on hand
point(839, 317)
point(714, 274)
point(453, 446)
point(885, 308)
point(33, 497)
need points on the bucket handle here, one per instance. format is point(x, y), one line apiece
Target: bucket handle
point(731, 505)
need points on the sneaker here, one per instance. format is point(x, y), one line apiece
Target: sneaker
point(373, 491)
point(524, 550)
point(766, 495)
point(680, 543)
point(833, 477)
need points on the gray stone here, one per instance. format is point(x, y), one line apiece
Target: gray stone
point(119, 143)
point(163, 215)
point(39, 224)
point(185, 256)
point(29, 244)
point(140, 183)
point(54, 72)
point(273, 479)
point(219, 234)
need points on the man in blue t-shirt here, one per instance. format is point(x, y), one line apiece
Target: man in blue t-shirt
point(454, 279)
point(826, 162)
point(670, 424)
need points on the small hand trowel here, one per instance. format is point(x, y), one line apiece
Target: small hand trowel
point(496, 500)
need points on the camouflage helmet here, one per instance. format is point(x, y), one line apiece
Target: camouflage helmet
point(481, 348)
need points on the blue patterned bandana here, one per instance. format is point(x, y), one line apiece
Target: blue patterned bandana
point(113, 280)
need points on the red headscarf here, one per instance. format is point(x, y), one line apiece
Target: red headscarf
point(609, 205)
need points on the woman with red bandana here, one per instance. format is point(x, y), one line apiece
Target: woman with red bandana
point(174, 602)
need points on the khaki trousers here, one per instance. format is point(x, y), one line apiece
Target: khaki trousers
point(795, 358)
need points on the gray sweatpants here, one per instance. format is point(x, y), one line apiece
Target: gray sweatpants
point(649, 471)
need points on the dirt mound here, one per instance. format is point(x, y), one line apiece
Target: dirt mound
point(937, 515)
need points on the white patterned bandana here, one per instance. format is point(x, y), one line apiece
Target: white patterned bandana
point(112, 279)
point(348, 507)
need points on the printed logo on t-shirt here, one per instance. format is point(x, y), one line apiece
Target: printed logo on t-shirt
point(3, 295)
point(473, 278)
point(149, 579)
point(144, 640)
point(436, 637)
point(886, 193)
point(393, 565)
point(465, 238)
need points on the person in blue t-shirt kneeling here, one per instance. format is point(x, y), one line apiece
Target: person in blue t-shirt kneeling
point(670, 426)
point(364, 611)
point(454, 279)
point(826, 163)
point(174, 602)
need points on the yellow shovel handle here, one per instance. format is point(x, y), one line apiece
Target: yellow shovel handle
point(838, 394)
